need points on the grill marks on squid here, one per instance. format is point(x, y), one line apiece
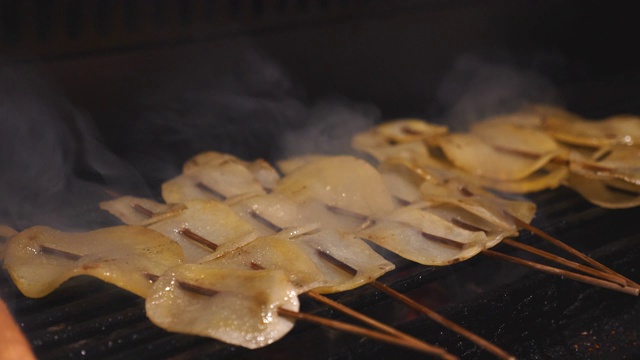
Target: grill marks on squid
point(445, 241)
point(262, 220)
point(198, 239)
point(335, 262)
point(46, 250)
point(184, 231)
point(211, 191)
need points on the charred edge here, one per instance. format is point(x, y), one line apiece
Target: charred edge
point(521, 153)
point(596, 168)
point(264, 221)
point(344, 212)
point(151, 277)
point(525, 154)
point(464, 191)
point(202, 186)
point(337, 263)
point(256, 266)
point(199, 239)
point(401, 201)
point(367, 224)
point(59, 253)
point(444, 241)
point(620, 190)
point(409, 131)
point(604, 155)
point(142, 210)
point(466, 226)
point(197, 289)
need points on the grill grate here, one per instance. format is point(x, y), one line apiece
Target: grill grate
point(529, 314)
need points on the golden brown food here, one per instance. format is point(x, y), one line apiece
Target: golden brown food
point(239, 307)
point(40, 258)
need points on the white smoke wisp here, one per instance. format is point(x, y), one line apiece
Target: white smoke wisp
point(476, 89)
point(329, 128)
point(54, 168)
point(239, 101)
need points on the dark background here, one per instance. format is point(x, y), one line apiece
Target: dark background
point(158, 81)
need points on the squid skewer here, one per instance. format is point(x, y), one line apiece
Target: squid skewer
point(454, 327)
point(72, 263)
point(614, 280)
point(402, 338)
point(319, 185)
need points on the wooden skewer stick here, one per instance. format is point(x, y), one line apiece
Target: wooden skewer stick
point(395, 337)
point(423, 309)
point(569, 249)
point(426, 348)
point(367, 320)
point(585, 269)
point(478, 340)
point(559, 272)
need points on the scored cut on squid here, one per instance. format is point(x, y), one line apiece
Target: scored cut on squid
point(217, 176)
point(239, 307)
point(40, 258)
point(611, 194)
point(417, 234)
point(277, 252)
point(404, 138)
point(336, 251)
point(508, 136)
point(133, 210)
point(266, 174)
point(206, 229)
point(267, 213)
point(479, 202)
point(618, 129)
point(288, 165)
point(395, 132)
point(620, 162)
point(470, 152)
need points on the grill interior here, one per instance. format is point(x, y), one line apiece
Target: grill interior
point(529, 314)
point(391, 55)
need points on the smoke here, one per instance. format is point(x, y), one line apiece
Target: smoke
point(54, 168)
point(475, 89)
point(57, 166)
point(330, 126)
point(238, 101)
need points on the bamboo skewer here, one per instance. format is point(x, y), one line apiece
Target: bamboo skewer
point(367, 320)
point(604, 277)
point(559, 272)
point(423, 309)
point(570, 250)
point(478, 340)
point(585, 269)
point(429, 349)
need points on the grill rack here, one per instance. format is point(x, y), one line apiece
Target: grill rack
point(529, 314)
